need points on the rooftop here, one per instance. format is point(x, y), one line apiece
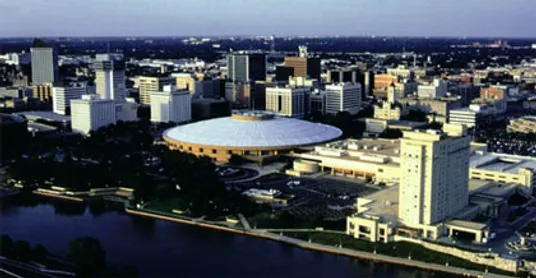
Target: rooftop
point(383, 204)
point(505, 163)
point(39, 43)
point(10, 118)
point(267, 132)
point(467, 224)
point(379, 151)
point(45, 115)
point(490, 188)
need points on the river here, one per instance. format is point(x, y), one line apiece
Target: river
point(165, 249)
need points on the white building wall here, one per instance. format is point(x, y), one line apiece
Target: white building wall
point(110, 84)
point(437, 89)
point(434, 177)
point(62, 96)
point(287, 102)
point(171, 106)
point(91, 113)
point(343, 97)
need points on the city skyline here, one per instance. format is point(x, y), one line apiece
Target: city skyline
point(255, 17)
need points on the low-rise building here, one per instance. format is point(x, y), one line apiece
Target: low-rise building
point(435, 89)
point(439, 107)
point(526, 124)
point(504, 168)
point(388, 111)
point(376, 159)
point(473, 116)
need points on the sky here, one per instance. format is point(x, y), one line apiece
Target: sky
point(459, 18)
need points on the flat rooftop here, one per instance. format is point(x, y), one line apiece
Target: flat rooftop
point(405, 124)
point(383, 203)
point(491, 188)
point(505, 163)
point(45, 115)
point(379, 151)
point(467, 224)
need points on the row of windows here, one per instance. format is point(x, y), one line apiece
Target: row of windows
point(214, 151)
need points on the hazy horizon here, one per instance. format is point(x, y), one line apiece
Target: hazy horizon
point(357, 18)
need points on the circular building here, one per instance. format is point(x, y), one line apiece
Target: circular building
point(255, 135)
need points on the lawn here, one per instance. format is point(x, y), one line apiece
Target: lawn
point(395, 249)
point(168, 205)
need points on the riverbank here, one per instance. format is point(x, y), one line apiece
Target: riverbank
point(312, 246)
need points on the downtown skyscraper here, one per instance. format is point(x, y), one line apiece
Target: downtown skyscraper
point(44, 63)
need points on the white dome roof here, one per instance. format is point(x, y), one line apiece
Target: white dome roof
point(276, 132)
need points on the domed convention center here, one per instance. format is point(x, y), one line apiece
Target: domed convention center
point(255, 135)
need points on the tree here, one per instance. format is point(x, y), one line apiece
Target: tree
point(236, 160)
point(88, 256)
point(435, 125)
point(164, 191)
point(415, 116)
point(22, 251)
point(39, 253)
point(6, 246)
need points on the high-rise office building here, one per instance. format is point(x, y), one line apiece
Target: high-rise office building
point(44, 63)
point(434, 179)
point(286, 101)
point(304, 66)
point(436, 89)
point(238, 94)
point(171, 105)
point(62, 96)
point(257, 98)
point(43, 92)
point(90, 113)
point(246, 67)
point(368, 84)
point(300, 66)
point(152, 84)
point(185, 81)
point(110, 78)
point(344, 97)
point(345, 76)
point(283, 73)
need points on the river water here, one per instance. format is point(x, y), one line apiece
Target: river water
point(164, 249)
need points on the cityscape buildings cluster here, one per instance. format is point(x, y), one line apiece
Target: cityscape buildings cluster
point(406, 126)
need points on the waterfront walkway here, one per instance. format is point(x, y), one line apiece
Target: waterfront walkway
point(303, 231)
point(244, 221)
point(337, 250)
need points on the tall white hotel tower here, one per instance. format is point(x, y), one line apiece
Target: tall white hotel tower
point(434, 177)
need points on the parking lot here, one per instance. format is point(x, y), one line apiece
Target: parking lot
point(324, 196)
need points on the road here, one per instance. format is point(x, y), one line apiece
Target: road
point(18, 269)
point(244, 221)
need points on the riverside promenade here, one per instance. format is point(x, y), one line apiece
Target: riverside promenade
point(313, 246)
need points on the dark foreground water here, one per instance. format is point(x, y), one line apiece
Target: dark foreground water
point(165, 249)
